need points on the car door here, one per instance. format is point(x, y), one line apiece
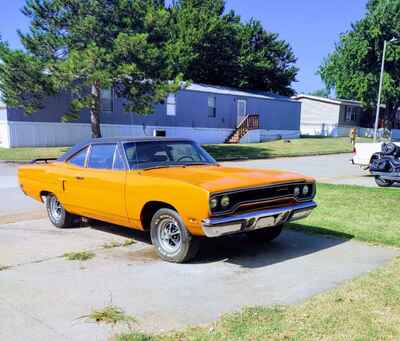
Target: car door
point(99, 188)
point(71, 178)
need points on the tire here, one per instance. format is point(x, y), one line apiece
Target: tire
point(58, 216)
point(382, 182)
point(266, 235)
point(172, 241)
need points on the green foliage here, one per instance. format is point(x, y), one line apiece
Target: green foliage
point(83, 46)
point(214, 47)
point(353, 69)
point(143, 49)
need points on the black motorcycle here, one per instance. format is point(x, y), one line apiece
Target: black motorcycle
point(385, 166)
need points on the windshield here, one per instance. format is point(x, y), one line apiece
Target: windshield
point(157, 154)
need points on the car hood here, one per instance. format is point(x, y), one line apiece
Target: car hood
point(220, 178)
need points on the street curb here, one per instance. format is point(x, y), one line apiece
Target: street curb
point(15, 162)
point(279, 157)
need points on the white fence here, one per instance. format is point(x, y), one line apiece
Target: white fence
point(338, 131)
point(262, 135)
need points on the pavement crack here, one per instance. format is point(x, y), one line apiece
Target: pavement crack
point(35, 318)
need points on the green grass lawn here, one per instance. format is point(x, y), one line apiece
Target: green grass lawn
point(25, 154)
point(297, 147)
point(367, 308)
point(367, 214)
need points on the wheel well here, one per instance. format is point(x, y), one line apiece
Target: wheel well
point(44, 194)
point(149, 210)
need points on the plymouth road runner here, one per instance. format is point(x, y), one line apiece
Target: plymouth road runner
point(169, 187)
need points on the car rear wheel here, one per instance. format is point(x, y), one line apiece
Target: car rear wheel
point(173, 242)
point(267, 234)
point(383, 182)
point(58, 216)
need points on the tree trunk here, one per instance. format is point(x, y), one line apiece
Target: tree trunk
point(95, 111)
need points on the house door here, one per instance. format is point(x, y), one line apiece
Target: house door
point(241, 110)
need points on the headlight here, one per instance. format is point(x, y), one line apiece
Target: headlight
point(296, 191)
point(225, 201)
point(306, 190)
point(213, 203)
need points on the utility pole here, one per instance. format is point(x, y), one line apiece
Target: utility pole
point(378, 106)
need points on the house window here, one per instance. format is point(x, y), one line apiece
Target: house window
point(212, 106)
point(159, 133)
point(350, 113)
point(171, 105)
point(106, 98)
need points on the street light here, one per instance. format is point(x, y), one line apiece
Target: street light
point(378, 107)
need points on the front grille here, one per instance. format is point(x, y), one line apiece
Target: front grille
point(261, 197)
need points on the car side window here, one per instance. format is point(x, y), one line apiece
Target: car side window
point(118, 161)
point(79, 158)
point(101, 156)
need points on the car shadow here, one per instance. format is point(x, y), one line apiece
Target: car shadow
point(121, 231)
point(296, 241)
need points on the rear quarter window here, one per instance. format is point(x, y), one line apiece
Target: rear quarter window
point(79, 158)
point(101, 156)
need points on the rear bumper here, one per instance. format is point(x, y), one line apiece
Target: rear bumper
point(219, 226)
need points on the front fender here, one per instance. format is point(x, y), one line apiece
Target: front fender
point(190, 201)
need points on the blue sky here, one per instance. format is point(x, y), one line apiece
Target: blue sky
point(310, 26)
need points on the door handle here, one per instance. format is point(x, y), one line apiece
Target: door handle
point(79, 178)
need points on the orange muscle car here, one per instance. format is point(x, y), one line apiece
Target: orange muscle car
point(170, 187)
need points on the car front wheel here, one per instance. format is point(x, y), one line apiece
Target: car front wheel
point(267, 234)
point(173, 242)
point(58, 216)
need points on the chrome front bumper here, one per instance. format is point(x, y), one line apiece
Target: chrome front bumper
point(219, 226)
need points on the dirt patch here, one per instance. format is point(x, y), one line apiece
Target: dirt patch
point(16, 217)
point(147, 254)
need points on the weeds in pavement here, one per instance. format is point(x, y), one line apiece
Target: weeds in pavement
point(110, 314)
point(81, 256)
point(114, 244)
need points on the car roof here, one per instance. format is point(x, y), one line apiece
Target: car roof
point(76, 148)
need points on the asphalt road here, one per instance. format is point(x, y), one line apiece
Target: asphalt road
point(335, 169)
point(43, 296)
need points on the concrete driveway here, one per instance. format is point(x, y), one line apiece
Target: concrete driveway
point(43, 296)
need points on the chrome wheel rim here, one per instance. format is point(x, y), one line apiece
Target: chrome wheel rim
point(169, 235)
point(56, 209)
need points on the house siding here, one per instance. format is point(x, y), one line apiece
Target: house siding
point(192, 111)
point(315, 112)
point(278, 117)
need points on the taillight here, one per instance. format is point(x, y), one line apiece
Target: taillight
point(354, 150)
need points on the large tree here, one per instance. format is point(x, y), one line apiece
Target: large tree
point(211, 45)
point(82, 46)
point(353, 69)
point(142, 49)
